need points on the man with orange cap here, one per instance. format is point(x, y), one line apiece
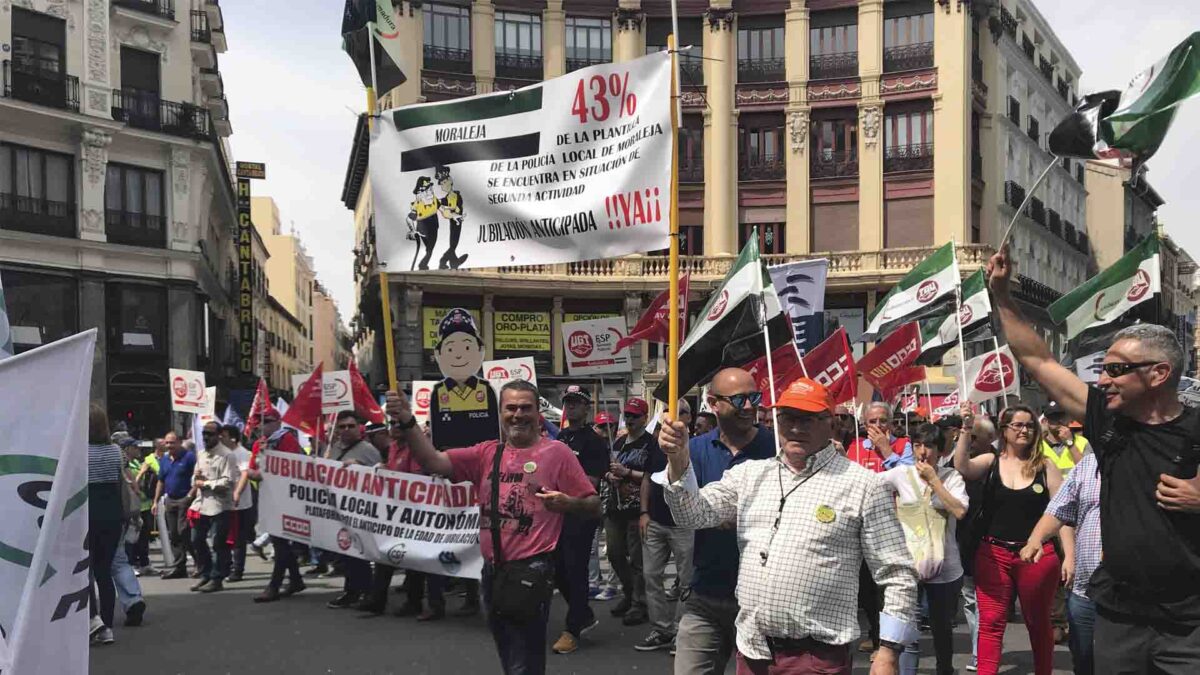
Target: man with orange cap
point(806, 521)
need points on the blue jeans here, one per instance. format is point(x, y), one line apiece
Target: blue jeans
point(129, 591)
point(219, 524)
point(971, 612)
point(1081, 616)
point(522, 647)
point(943, 603)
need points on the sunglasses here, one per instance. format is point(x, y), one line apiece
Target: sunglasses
point(739, 400)
point(1119, 369)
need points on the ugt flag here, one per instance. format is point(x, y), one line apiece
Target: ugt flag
point(1130, 281)
point(574, 168)
point(729, 331)
point(916, 295)
point(44, 576)
point(801, 289)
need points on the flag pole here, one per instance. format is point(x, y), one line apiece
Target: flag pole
point(1028, 196)
point(962, 353)
point(770, 367)
point(384, 296)
point(673, 298)
point(928, 399)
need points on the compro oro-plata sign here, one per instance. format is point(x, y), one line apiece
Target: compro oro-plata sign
point(521, 331)
point(503, 371)
point(572, 168)
point(588, 346)
point(336, 394)
point(188, 391)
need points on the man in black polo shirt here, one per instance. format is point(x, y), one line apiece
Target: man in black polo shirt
point(1147, 588)
point(575, 542)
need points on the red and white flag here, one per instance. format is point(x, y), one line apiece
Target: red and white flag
point(785, 361)
point(992, 375)
point(305, 412)
point(832, 364)
point(896, 351)
point(261, 406)
point(895, 382)
point(654, 324)
point(365, 405)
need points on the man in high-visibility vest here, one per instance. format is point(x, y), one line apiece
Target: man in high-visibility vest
point(1061, 445)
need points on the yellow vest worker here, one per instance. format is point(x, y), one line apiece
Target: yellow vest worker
point(1061, 456)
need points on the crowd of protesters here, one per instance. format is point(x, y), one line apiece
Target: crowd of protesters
point(782, 524)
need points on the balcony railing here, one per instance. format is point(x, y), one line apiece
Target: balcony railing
point(163, 8)
point(41, 86)
point(833, 166)
point(447, 59)
point(1008, 22)
point(200, 30)
point(976, 165)
point(576, 64)
point(135, 229)
point(39, 216)
point(1034, 130)
point(761, 70)
point(977, 68)
point(831, 66)
point(1014, 111)
point(1047, 70)
point(917, 157)
point(908, 57)
point(1064, 90)
point(1037, 211)
point(765, 168)
point(1014, 194)
point(1071, 236)
point(1082, 242)
point(692, 172)
point(1054, 221)
point(1027, 47)
point(519, 66)
point(144, 110)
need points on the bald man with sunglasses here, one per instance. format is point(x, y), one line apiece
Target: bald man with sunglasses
point(1147, 588)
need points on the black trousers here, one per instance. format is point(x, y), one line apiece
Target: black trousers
point(1127, 645)
point(285, 562)
point(246, 520)
point(358, 575)
point(571, 570)
point(219, 524)
point(103, 539)
point(428, 227)
point(139, 551)
point(450, 257)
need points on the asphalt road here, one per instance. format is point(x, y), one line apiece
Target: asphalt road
point(208, 634)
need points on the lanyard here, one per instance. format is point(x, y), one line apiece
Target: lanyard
point(764, 554)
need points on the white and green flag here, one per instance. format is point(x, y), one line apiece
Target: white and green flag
point(917, 295)
point(1130, 281)
point(729, 330)
point(6, 343)
point(940, 333)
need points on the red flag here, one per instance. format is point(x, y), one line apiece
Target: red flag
point(832, 364)
point(261, 406)
point(653, 326)
point(365, 405)
point(896, 380)
point(894, 352)
point(305, 413)
point(787, 367)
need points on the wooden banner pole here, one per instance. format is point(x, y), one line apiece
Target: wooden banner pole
point(673, 298)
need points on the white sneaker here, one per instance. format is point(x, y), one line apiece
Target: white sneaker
point(95, 626)
point(973, 665)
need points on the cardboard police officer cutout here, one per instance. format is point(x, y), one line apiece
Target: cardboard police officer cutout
point(464, 409)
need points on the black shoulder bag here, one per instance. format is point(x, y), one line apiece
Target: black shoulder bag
point(519, 587)
point(976, 527)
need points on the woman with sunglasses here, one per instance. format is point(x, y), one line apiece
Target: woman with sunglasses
point(1018, 483)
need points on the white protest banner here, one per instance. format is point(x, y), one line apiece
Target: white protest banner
point(188, 391)
point(503, 371)
point(400, 519)
point(210, 406)
point(336, 394)
point(572, 168)
point(44, 396)
point(589, 346)
point(422, 397)
point(992, 375)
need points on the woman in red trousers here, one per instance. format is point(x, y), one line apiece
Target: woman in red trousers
point(1017, 486)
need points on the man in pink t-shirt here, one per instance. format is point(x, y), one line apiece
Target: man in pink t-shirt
point(540, 480)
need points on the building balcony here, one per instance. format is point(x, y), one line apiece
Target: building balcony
point(135, 229)
point(1035, 132)
point(1034, 293)
point(1008, 23)
point(160, 8)
point(1082, 241)
point(1054, 221)
point(1014, 111)
point(36, 85)
point(977, 165)
point(908, 57)
point(1037, 211)
point(519, 66)
point(908, 158)
point(1064, 90)
point(447, 60)
point(205, 40)
point(1046, 69)
point(1071, 236)
point(977, 69)
point(1014, 194)
point(576, 64)
point(692, 172)
point(833, 66)
point(1028, 48)
point(211, 82)
point(144, 110)
point(833, 166)
point(761, 70)
point(762, 168)
point(37, 216)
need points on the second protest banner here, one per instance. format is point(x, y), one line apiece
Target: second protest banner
point(589, 346)
point(400, 519)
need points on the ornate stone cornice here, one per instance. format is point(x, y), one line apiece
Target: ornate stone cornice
point(628, 18)
point(870, 117)
point(797, 130)
point(720, 18)
point(95, 144)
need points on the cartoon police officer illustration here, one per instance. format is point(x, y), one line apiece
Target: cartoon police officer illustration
point(450, 206)
point(464, 409)
point(423, 219)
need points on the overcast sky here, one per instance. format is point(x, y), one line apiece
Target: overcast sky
point(293, 94)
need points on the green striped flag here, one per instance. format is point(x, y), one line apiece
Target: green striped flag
point(729, 332)
point(939, 333)
point(366, 20)
point(1130, 281)
point(917, 294)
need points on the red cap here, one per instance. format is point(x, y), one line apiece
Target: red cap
point(807, 395)
point(604, 418)
point(637, 406)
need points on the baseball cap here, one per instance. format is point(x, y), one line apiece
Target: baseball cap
point(807, 395)
point(1053, 409)
point(577, 391)
point(605, 418)
point(457, 320)
point(637, 406)
point(374, 427)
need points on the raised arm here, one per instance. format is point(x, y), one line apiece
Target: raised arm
point(971, 468)
point(1035, 357)
point(398, 410)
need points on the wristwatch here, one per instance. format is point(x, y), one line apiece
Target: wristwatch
point(405, 426)
point(894, 646)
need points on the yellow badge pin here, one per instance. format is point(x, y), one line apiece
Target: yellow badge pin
point(825, 514)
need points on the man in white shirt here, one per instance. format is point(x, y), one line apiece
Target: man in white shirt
point(213, 482)
point(806, 522)
point(245, 513)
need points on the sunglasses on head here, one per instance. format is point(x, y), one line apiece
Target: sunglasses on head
point(1119, 369)
point(739, 400)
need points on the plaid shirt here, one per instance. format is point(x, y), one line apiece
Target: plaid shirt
point(798, 575)
point(1077, 504)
